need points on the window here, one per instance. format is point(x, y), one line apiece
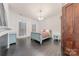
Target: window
point(33, 27)
point(22, 29)
point(2, 15)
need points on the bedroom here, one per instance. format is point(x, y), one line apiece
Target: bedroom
point(36, 21)
point(39, 29)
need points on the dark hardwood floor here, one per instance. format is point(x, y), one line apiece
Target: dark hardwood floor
point(28, 47)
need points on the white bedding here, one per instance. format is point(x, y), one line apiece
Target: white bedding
point(45, 33)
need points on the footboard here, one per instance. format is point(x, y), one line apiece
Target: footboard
point(36, 36)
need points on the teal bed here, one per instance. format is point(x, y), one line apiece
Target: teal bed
point(40, 37)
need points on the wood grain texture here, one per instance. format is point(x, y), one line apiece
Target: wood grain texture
point(70, 29)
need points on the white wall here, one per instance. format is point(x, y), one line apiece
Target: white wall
point(53, 23)
point(15, 18)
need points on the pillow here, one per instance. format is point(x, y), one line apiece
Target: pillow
point(45, 33)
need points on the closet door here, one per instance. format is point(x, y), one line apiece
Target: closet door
point(69, 26)
point(76, 25)
point(63, 27)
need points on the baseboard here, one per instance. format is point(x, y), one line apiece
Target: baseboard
point(23, 37)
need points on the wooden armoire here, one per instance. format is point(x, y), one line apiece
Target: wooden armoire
point(70, 29)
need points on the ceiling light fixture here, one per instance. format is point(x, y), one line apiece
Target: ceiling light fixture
point(40, 17)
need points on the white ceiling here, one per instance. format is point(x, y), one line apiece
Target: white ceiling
point(33, 9)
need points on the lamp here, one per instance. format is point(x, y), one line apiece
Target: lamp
point(40, 17)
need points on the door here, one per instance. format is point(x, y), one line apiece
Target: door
point(76, 25)
point(63, 27)
point(67, 28)
point(67, 25)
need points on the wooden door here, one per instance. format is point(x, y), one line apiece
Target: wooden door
point(76, 25)
point(70, 29)
point(67, 28)
point(63, 27)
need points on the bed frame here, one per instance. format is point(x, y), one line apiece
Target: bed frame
point(38, 37)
